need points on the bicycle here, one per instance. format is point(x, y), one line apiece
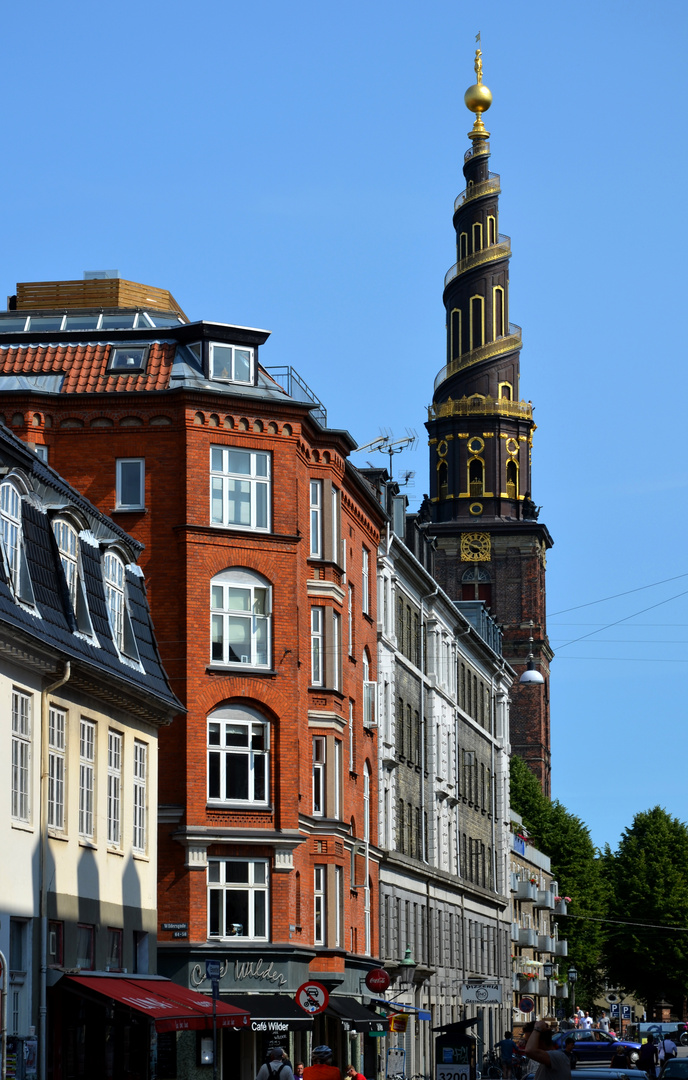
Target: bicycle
point(491, 1066)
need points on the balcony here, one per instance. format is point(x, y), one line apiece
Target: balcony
point(545, 943)
point(509, 343)
point(561, 947)
point(561, 908)
point(526, 891)
point(500, 250)
point(482, 146)
point(515, 981)
point(562, 990)
point(545, 900)
point(527, 938)
point(482, 406)
point(545, 987)
point(491, 186)
point(514, 931)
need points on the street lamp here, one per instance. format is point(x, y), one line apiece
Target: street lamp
point(531, 674)
point(407, 968)
point(548, 970)
point(573, 976)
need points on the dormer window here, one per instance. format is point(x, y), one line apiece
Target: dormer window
point(11, 534)
point(114, 580)
point(68, 546)
point(231, 363)
point(128, 359)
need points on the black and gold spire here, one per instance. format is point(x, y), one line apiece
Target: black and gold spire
point(491, 545)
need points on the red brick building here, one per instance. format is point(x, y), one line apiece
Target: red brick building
point(260, 554)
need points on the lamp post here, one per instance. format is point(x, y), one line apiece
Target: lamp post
point(573, 976)
point(407, 968)
point(548, 971)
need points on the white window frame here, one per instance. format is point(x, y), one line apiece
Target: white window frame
point(257, 869)
point(366, 802)
point(67, 540)
point(369, 695)
point(57, 749)
point(319, 775)
point(339, 900)
point(319, 905)
point(351, 737)
point(21, 755)
point(120, 502)
point(249, 480)
point(140, 837)
point(365, 581)
point(351, 620)
point(317, 646)
point(337, 779)
point(114, 788)
point(336, 650)
point(255, 760)
point(87, 765)
point(334, 511)
point(113, 581)
point(11, 526)
point(316, 519)
point(230, 374)
point(254, 619)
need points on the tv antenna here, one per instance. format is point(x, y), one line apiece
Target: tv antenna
point(387, 444)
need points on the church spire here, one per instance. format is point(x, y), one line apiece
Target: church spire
point(491, 546)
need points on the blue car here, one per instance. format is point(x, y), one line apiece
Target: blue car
point(595, 1046)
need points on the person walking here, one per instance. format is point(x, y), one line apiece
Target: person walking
point(569, 1044)
point(551, 1064)
point(620, 1060)
point(507, 1046)
point(648, 1058)
point(321, 1067)
point(352, 1073)
point(276, 1067)
point(586, 1021)
point(667, 1050)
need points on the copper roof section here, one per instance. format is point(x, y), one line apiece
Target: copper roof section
point(85, 367)
point(93, 293)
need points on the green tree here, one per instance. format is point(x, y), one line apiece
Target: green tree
point(648, 884)
point(577, 868)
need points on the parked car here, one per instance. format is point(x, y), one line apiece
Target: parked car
point(591, 1073)
point(676, 1069)
point(595, 1046)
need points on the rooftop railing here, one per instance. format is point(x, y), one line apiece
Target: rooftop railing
point(475, 191)
point(500, 250)
point(482, 146)
point(508, 343)
point(291, 382)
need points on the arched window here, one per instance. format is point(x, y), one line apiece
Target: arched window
point(455, 325)
point(475, 585)
point(477, 236)
point(491, 230)
point(477, 322)
point(476, 476)
point(366, 802)
point(240, 602)
point(506, 391)
point(238, 750)
point(512, 479)
point(497, 312)
point(113, 574)
point(463, 246)
point(10, 517)
point(68, 547)
point(442, 482)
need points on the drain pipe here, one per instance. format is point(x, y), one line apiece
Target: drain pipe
point(42, 883)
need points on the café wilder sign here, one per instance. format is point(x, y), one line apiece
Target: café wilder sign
point(254, 969)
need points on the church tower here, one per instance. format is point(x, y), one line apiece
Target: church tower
point(491, 546)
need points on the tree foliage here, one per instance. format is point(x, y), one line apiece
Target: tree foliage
point(648, 883)
point(576, 866)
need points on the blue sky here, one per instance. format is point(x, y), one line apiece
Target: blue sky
point(294, 167)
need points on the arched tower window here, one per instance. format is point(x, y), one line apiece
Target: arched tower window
point(477, 322)
point(497, 312)
point(491, 230)
point(455, 327)
point(506, 391)
point(477, 236)
point(512, 479)
point(442, 480)
point(476, 585)
point(463, 246)
point(476, 476)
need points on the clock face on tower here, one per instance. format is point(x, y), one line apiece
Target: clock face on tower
point(475, 547)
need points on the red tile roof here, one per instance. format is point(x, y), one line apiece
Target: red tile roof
point(85, 367)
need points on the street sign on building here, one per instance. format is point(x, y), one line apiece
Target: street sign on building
point(526, 1004)
point(488, 993)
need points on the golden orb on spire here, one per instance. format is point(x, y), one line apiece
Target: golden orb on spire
point(478, 98)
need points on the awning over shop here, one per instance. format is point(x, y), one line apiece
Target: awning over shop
point(274, 1012)
point(351, 1012)
point(172, 1007)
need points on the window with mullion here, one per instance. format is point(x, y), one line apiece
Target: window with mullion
point(319, 912)
point(317, 656)
point(237, 761)
point(114, 789)
point(21, 755)
point(68, 546)
point(316, 529)
point(87, 755)
point(10, 520)
point(239, 488)
point(139, 808)
point(57, 724)
point(238, 898)
point(240, 623)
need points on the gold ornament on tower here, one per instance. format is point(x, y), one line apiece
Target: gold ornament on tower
point(478, 99)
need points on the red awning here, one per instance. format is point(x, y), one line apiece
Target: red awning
point(173, 1007)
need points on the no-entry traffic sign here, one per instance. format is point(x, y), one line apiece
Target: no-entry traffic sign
point(312, 997)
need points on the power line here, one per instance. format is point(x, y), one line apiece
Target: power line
point(615, 596)
point(626, 922)
point(626, 617)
